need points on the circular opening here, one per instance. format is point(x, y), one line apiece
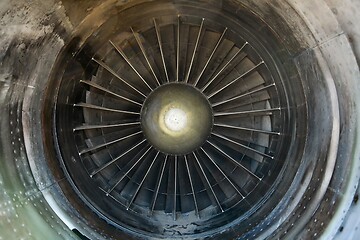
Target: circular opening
point(173, 120)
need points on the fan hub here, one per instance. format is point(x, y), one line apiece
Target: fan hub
point(176, 118)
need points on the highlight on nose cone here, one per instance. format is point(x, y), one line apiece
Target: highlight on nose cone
point(175, 119)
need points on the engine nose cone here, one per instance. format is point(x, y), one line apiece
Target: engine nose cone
point(176, 118)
